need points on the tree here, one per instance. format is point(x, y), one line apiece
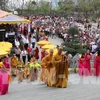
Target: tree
point(73, 31)
point(85, 6)
point(30, 4)
point(4, 4)
point(44, 7)
point(96, 5)
point(73, 45)
point(66, 7)
point(88, 7)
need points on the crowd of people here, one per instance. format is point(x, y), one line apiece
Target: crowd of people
point(85, 67)
point(54, 26)
point(26, 61)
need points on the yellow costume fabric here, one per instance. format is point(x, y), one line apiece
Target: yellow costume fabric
point(27, 70)
point(59, 74)
point(14, 62)
point(20, 64)
point(1, 64)
point(46, 65)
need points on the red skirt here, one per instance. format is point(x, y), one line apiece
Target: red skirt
point(4, 83)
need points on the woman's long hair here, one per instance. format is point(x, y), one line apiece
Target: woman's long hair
point(99, 53)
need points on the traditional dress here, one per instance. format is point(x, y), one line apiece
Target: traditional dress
point(20, 71)
point(88, 57)
point(36, 54)
point(4, 80)
point(59, 74)
point(34, 70)
point(27, 71)
point(1, 65)
point(42, 54)
point(46, 65)
point(14, 63)
point(97, 65)
point(81, 66)
point(7, 64)
point(29, 49)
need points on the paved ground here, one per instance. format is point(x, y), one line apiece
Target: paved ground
point(79, 88)
point(56, 41)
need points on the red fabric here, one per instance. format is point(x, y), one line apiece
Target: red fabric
point(36, 53)
point(45, 38)
point(97, 66)
point(29, 49)
point(4, 83)
point(42, 54)
point(68, 36)
point(88, 65)
point(81, 66)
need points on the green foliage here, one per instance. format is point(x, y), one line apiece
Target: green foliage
point(4, 4)
point(33, 2)
point(66, 7)
point(88, 7)
point(45, 7)
point(74, 46)
point(73, 31)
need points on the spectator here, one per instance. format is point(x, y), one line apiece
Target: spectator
point(36, 53)
point(24, 55)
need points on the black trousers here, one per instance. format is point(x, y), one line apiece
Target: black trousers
point(33, 44)
point(24, 59)
point(18, 55)
point(6, 39)
point(29, 57)
point(26, 46)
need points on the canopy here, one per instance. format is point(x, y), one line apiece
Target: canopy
point(6, 44)
point(12, 19)
point(3, 13)
point(2, 53)
point(50, 46)
point(43, 42)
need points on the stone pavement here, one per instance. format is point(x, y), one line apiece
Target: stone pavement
point(56, 41)
point(79, 88)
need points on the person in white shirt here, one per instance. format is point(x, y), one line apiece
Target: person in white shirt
point(18, 52)
point(24, 54)
point(6, 36)
point(34, 34)
point(17, 42)
point(26, 42)
point(53, 33)
point(33, 41)
point(65, 36)
point(94, 47)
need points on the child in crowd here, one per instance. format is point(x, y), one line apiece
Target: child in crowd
point(20, 68)
point(14, 63)
point(34, 66)
point(27, 71)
